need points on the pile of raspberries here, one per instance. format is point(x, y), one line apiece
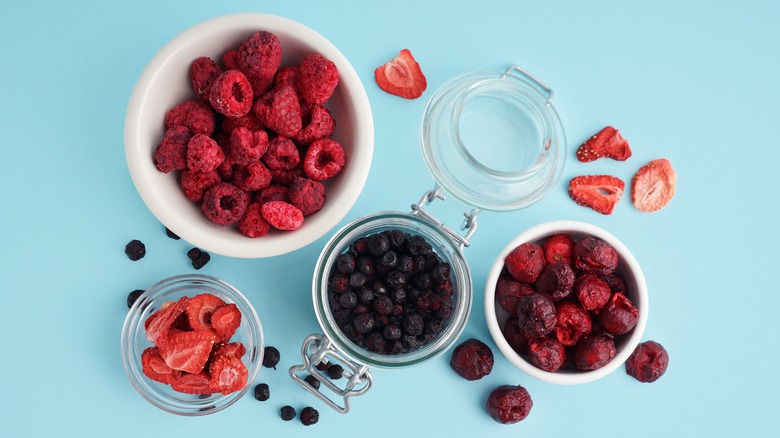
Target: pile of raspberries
point(253, 145)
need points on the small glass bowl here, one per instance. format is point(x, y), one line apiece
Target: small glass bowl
point(442, 244)
point(134, 342)
point(636, 291)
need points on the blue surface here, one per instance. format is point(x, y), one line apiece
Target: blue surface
point(695, 82)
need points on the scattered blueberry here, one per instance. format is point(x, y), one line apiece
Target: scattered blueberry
point(133, 296)
point(271, 357)
point(199, 257)
point(287, 413)
point(262, 392)
point(135, 250)
point(309, 416)
point(311, 380)
point(335, 372)
point(171, 234)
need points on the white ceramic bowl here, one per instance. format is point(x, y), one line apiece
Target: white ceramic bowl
point(627, 267)
point(165, 83)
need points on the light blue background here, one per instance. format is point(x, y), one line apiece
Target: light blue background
point(695, 82)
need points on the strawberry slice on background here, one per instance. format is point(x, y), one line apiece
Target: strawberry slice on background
point(199, 311)
point(155, 368)
point(226, 320)
point(401, 76)
point(607, 143)
point(193, 383)
point(653, 185)
point(228, 374)
point(597, 192)
point(159, 323)
point(187, 351)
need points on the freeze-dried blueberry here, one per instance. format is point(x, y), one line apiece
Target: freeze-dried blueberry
point(171, 234)
point(413, 324)
point(383, 305)
point(397, 238)
point(135, 250)
point(198, 257)
point(398, 295)
point(441, 273)
point(309, 416)
point(392, 332)
point(312, 381)
point(360, 246)
point(335, 372)
point(364, 323)
point(287, 413)
point(348, 300)
point(390, 258)
point(375, 342)
point(338, 283)
point(271, 357)
point(422, 281)
point(262, 392)
point(357, 279)
point(378, 244)
point(380, 288)
point(365, 265)
point(405, 264)
point(396, 279)
point(133, 296)
point(365, 295)
point(345, 263)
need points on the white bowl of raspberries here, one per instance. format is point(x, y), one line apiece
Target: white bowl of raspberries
point(249, 135)
point(566, 302)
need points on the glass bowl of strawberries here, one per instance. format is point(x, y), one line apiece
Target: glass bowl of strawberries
point(192, 344)
point(566, 302)
point(249, 135)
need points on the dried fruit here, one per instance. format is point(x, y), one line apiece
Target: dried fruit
point(525, 262)
point(187, 351)
point(262, 392)
point(653, 185)
point(171, 153)
point(200, 309)
point(198, 257)
point(203, 154)
point(308, 195)
point(514, 337)
point(252, 224)
point(619, 316)
point(133, 296)
point(282, 215)
point(282, 154)
point(228, 375)
point(472, 359)
point(231, 94)
point(195, 183)
point(572, 323)
point(225, 320)
point(203, 72)
point(224, 203)
point(281, 111)
point(271, 357)
point(594, 352)
point(196, 115)
point(607, 143)
point(135, 250)
point(509, 291)
point(247, 146)
point(317, 78)
point(595, 256)
point(309, 416)
point(324, 159)
point(159, 323)
point(260, 55)
point(555, 281)
point(401, 76)
point(317, 123)
point(193, 383)
point(287, 413)
point(535, 315)
point(558, 247)
point(252, 177)
point(597, 192)
point(546, 353)
point(509, 404)
point(155, 368)
point(648, 362)
point(592, 292)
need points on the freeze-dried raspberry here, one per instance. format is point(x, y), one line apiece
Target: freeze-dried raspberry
point(225, 169)
point(171, 153)
point(509, 291)
point(525, 262)
point(203, 72)
point(252, 177)
point(282, 215)
point(247, 146)
point(472, 359)
point(648, 362)
point(595, 255)
point(282, 154)
point(252, 224)
point(324, 159)
point(230, 60)
point(203, 154)
point(260, 55)
point(260, 85)
point(558, 247)
point(285, 177)
point(280, 111)
point(306, 194)
point(509, 404)
point(249, 121)
point(536, 315)
point(619, 316)
point(273, 192)
point(573, 323)
point(555, 281)
point(594, 352)
point(317, 123)
point(514, 337)
point(546, 353)
point(317, 79)
point(224, 203)
point(287, 74)
point(195, 183)
point(196, 115)
point(231, 94)
point(592, 292)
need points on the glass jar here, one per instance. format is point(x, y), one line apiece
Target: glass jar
point(494, 142)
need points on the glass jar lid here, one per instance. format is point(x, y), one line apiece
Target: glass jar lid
point(493, 140)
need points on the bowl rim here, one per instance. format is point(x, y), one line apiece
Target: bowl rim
point(136, 153)
point(536, 233)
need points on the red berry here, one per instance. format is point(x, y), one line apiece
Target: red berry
point(252, 177)
point(192, 383)
point(159, 323)
point(230, 60)
point(204, 154)
point(324, 159)
point(171, 153)
point(555, 281)
point(228, 375)
point(187, 351)
point(282, 216)
point(225, 320)
point(282, 154)
point(232, 349)
point(558, 247)
point(273, 193)
point(260, 55)
point(317, 78)
point(231, 94)
point(606, 143)
point(401, 76)
point(252, 223)
point(249, 121)
point(199, 310)
point(472, 359)
point(653, 185)
point(509, 404)
point(525, 262)
point(594, 352)
point(308, 195)
point(287, 74)
point(196, 115)
point(509, 291)
point(224, 203)
point(546, 353)
point(155, 368)
point(619, 316)
point(514, 337)
point(317, 123)
point(280, 111)
point(203, 72)
point(572, 323)
point(592, 292)
point(595, 256)
point(648, 362)
point(598, 192)
point(536, 315)
point(247, 146)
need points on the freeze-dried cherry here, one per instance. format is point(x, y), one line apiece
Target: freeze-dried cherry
point(573, 323)
point(617, 284)
point(556, 280)
point(546, 353)
point(619, 316)
point(558, 247)
point(595, 255)
point(592, 292)
point(509, 291)
point(472, 359)
point(594, 352)
point(648, 362)
point(535, 315)
point(525, 262)
point(509, 404)
point(514, 337)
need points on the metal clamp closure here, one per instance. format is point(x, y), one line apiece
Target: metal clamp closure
point(469, 223)
point(318, 349)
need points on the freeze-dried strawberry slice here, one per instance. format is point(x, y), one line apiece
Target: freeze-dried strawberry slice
point(598, 192)
point(199, 311)
point(187, 351)
point(155, 368)
point(225, 320)
point(653, 185)
point(607, 143)
point(193, 383)
point(233, 349)
point(159, 323)
point(401, 76)
point(228, 375)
